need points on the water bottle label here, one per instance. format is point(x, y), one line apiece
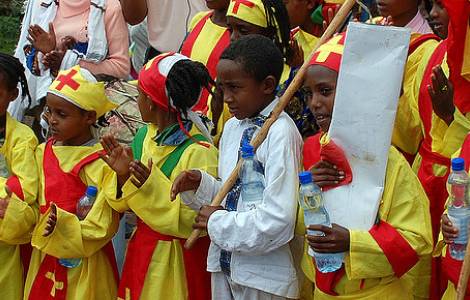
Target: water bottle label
point(312, 201)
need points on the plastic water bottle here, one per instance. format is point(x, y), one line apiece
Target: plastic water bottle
point(252, 180)
point(458, 208)
point(315, 213)
point(84, 206)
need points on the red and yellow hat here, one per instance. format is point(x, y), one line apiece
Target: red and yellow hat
point(330, 54)
point(80, 87)
point(251, 11)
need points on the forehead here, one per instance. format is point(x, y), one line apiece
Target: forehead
point(317, 74)
point(56, 102)
point(231, 70)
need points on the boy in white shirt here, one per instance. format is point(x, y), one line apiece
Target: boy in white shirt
point(250, 257)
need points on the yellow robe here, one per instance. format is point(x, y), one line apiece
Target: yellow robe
point(306, 41)
point(405, 207)
point(151, 203)
point(20, 217)
point(72, 238)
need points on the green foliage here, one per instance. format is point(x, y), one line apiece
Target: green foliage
point(10, 16)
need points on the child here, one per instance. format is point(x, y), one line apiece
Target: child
point(250, 256)
point(403, 13)
point(376, 259)
point(156, 265)
point(207, 38)
point(439, 19)
point(68, 163)
point(19, 176)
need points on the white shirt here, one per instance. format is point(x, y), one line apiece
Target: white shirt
point(259, 238)
point(169, 20)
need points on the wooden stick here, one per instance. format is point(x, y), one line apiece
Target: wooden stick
point(464, 274)
point(281, 105)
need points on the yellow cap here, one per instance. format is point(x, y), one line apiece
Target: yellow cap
point(251, 11)
point(79, 87)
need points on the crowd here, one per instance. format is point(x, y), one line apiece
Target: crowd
point(208, 75)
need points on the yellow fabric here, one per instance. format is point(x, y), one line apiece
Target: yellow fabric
point(450, 293)
point(306, 41)
point(173, 218)
point(408, 133)
point(405, 207)
point(80, 91)
point(73, 238)
point(332, 46)
point(20, 217)
point(254, 14)
point(466, 59)
point(334, 1)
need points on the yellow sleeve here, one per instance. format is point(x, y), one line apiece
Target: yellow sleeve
point(405, 207)
point(151, 202)
point(196, 19)
point(456, 133)
point(73, 238)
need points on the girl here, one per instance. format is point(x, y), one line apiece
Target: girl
point(19, 176)
point(175, 140)
point(207, 38)
point(268, 18)
point(68, 163)
point(375, 260)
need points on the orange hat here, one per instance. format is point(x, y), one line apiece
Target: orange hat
point(329, 54)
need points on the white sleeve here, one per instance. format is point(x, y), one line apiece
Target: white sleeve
point(207, 190)
point(271, 224)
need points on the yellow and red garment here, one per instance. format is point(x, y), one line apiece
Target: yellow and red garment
point(330, 53)
point(21, 214)
point(155, 258)
point(205, 43)
point(251, 11)
point(378, 258)
point(65, 172)
point(305, 40)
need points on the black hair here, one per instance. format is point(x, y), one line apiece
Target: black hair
point(257, 55)
point(185, 82)
point(276, 14)
point(13, 73)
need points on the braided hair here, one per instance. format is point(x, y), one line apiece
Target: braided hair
point(278, 26)
point(13, 73)
point(185, 82)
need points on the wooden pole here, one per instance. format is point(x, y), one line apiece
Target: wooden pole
point(464, 274)
point(296, 83)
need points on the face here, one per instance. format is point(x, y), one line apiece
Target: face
point(439, 19)
point(217, 4)
point(299, 11)
point(244, 95)
point(7, 94)
point(320, 89)
point(145, 106)
point(239, 28)
point(68, 123)
point(396, 8)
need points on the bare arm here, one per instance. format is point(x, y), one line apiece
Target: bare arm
point(134, 11)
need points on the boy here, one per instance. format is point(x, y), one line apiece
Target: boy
point(403, 13)
point(375, 260)
point(250, 257)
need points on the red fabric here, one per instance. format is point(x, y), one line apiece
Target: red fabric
point(311, 151)
point(451, 269)
point(333, 61)
point(25, 253)
point(396, 248)
point(240, 2)
point(63, 189)
point(459, 14)
point(14, 185)
point(465, 152)
point(68, 80)
point(327, 282)
point(213, 59)
point(139, 254)
point(417, 42)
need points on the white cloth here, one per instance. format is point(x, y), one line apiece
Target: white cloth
point(169, 20)
point(259, 238)
point(224, 288)
point(42, 12)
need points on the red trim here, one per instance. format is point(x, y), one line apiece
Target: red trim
point(327, 282)
point(43, 285)
point(451, 269)
point(417, 42)
point(187, 47)
point(465, 152)
point(239, 2)
point(139, 255)
point(396, 248)
point(14, 185)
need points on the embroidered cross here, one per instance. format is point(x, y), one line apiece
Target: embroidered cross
point(240, 2)
point(331, 47)
point(68, 80)
point(57, 284)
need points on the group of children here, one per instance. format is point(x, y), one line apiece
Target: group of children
point(234, 65)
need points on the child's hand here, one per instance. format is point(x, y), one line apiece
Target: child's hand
point(140, 172)
point(186, 181)
point(325, 174)
point(117, 156)
point(449, 232)
point(331, 15)
point(442, 95)
point(297, 58)
point(53, 61)
point(335, 240)
point(41, 40)
point(4, 203)
point(51, 221)
point(204, 215)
